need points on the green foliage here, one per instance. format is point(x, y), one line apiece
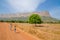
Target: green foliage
point(59, 21)
point(1, 21)
point(14, 21)
point(35, 19)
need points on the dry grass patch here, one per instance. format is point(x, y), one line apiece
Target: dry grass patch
point(47, 32)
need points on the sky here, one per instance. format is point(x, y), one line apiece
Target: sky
point(17, 6)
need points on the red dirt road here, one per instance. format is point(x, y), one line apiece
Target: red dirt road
point(7, 34)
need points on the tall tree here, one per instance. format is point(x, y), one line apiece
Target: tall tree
point(35, 19)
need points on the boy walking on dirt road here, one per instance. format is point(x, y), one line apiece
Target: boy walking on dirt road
point(14, 28)
point(11, 26)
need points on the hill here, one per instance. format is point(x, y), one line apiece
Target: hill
point(9, 15)
point(24, 16)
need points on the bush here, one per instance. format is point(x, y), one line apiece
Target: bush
point(1, 21)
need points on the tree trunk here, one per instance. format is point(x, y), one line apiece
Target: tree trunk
point(35, 24)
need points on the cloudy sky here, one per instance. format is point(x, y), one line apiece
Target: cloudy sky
point(13, 6)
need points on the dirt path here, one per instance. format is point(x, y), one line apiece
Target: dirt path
point(7, 34)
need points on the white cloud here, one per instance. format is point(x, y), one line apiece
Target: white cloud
point(25, 5)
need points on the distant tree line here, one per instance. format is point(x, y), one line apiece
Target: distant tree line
point(13, 21)
point(33, 19)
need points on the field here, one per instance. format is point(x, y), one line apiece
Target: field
point(26, 31)
point(42, 31)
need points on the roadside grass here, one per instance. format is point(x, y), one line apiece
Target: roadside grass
point(48, 32)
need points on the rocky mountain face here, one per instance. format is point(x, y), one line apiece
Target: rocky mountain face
point(45, 16)
point(43, 13)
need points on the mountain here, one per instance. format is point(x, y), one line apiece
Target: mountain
point(44, 13)
point(45, 16)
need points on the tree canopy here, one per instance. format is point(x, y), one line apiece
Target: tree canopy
point(35, 19)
